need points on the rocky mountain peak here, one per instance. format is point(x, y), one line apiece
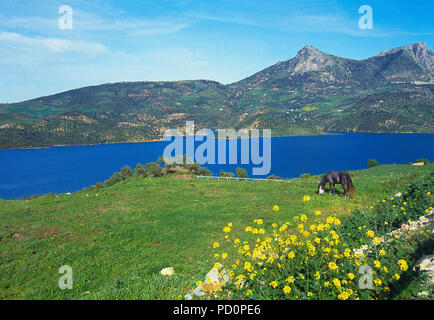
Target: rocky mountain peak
point(308, 59)
point(419, 50)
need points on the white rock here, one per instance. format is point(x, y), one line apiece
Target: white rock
point(422, 294)
point(426, 264)
point(214, 276)
point(167, 271)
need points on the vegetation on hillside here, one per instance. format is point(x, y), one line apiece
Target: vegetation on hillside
point(391, 92)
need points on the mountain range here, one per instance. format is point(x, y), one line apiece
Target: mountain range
point(314, 92)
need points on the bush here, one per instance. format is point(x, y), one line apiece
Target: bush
point(140, 170)
point(153, 169)
point(241, 173)
point(305, 176)
point(100, 185)
point(226, 174)
point(115, 178)
point(126, 172)
point(424, 160)
point(274, 177)
point(372, 163)
point(196, 169)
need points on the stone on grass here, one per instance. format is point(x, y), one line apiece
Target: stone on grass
point(214, 281)
point(167, 271)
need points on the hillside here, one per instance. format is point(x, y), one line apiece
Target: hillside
point(392, 91)
point(118, 239)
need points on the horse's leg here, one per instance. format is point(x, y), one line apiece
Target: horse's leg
point(345, 191)
point(330, 187)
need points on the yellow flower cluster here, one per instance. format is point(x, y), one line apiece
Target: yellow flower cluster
point(304, 259)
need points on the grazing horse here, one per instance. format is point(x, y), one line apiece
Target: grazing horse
point(337, 177)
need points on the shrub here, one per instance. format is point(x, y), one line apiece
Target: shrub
point(372, 163)
point(424, 160)
point(115, 178)
point(196, 169)
point(140, 170)
point(226, 174)
point(126, 172)
point(274, 177)
point(153, 169)
point(241, 173)
point(305, 176)
point(100, 185)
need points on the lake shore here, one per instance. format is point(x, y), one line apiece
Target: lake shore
point(161, 139)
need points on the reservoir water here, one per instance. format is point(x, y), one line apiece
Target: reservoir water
point(70, 168)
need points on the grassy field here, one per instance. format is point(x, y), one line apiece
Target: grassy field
point(118, 239)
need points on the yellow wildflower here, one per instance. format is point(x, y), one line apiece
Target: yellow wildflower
point(378, 282)
point(402, 265)
point(290, 280)
point(333, 266)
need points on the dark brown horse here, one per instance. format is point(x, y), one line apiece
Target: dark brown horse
point(337, 177)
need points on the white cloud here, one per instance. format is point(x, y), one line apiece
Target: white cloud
point(90, 22)
point(15, 41)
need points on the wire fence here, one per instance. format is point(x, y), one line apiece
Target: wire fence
point(254, 179)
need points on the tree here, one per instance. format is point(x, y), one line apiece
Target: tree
point(153, 169)
point(372, 163)
point(115, 178)
point(241, 173)
point(140, 170)
point(100, 185)
point(126, 172)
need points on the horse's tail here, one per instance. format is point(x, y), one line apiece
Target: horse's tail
point(350, 187)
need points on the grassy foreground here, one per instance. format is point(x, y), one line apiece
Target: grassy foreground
point(118, 239)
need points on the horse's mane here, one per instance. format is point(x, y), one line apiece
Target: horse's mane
point(323, 181)
point(351, 188)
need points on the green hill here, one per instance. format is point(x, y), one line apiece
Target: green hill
point(392, 91)
point(117, 239)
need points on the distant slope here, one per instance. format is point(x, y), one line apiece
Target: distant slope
point(392, 91)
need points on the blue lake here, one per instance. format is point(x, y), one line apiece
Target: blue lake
point(67, 169)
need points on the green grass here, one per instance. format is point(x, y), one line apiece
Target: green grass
point(117, 241)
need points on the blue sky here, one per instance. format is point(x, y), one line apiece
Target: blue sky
point(124, 40)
